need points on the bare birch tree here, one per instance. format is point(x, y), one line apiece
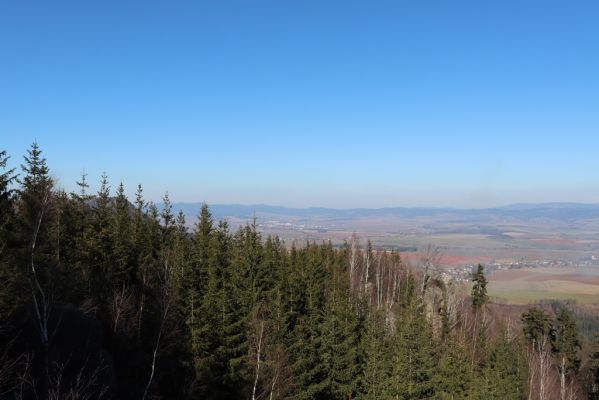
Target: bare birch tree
point(430, 259)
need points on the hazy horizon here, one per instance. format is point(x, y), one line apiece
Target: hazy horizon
point(234, 195)
point(531, 204)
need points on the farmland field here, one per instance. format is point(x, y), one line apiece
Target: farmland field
point(531, 285)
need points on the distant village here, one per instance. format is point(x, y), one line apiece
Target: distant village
point(464, 273)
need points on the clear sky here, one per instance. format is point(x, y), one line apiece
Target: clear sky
point(309, 103)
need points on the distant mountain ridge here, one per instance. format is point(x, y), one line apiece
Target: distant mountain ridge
point(557, 211)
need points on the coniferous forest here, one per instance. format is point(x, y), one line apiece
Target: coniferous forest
point(108, 297)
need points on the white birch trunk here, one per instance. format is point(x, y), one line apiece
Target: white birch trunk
point(258, 361)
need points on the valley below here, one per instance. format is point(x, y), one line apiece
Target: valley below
point(531, 252)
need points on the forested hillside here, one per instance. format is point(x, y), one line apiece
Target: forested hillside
point(108, 297)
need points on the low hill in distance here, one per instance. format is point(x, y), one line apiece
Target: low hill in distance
point(556, 211)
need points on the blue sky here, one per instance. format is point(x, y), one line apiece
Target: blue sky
point(309, 103)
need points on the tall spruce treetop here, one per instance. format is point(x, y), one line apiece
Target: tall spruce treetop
point(36, 171)
point(35, 200)
point(101, 239)
point(479, 288)
point(201, 250)
point(83, 187)
point(140, 205)
point(35, 185)
point(167, 212)
point(121, 232)
point(104, 192)
point(203, 233)
point(121, 202)
point(180, 223)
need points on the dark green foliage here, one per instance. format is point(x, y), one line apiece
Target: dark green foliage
point(207, 313)
point(479, 288)
point(453, 377)
point(565, 341)
point(121, 235)
point(377, 360)
point(414, 362)
point(339, 344)
point(34, 222)
point(9, 273)
point(505, 371)
point(445, 326)
point(6, 202)
point(536, 323)
point(35, 203)
point(101, 255)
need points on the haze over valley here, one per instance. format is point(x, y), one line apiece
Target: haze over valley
point(522, 232)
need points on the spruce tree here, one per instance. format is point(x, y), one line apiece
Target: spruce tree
point(377, 367)
point(35, 196)
point(565, 341)
point(216, 314)
point(339, 343)
point(504, 375)
point(536, 323)
point(479, 288)
point(565, 345)
point(168, 223)
point(101, 248)
point(121, 232)
point(81, 235)
point(309, 371)
point(453, 377)
point(414, 362)
point(202, 242)
point(35, 211)
point(196, 301)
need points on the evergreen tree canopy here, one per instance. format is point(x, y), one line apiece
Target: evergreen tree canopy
point(479, 288)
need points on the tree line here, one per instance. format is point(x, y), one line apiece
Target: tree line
point(210, 313)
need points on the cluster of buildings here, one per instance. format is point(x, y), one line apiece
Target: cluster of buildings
point(464, 273)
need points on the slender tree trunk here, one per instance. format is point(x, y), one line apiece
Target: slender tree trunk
point(258, 361)
point(543, 368)
point(474, 329)
point(272, 386)
point(155, 354)
point(366, 271)
point(166, 306)
point(378, 283)
point(390, 277)
point(531, 371)
point(141, 305)
point(42, 309)
point(562, 380)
